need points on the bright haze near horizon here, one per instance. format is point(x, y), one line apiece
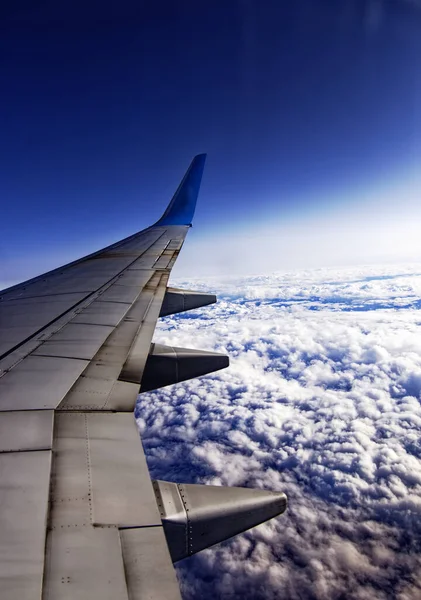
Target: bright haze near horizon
point(307, 228)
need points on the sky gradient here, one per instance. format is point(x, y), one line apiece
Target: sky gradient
point(302, 107)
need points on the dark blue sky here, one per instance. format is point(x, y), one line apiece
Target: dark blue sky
point(103, 105)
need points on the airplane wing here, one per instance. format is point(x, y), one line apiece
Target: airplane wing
point(79, 514)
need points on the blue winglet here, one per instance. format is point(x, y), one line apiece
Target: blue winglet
point(180, 210)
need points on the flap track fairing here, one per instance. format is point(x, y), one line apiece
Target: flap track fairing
point(196, 517)
point(167, 365)
point(177, 300)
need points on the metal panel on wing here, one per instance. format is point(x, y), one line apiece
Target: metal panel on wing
point(75, 340)
point(132, 278)
point(36, 311)
point(122, 492)
point(13, 336)
point(39, 382)
point(102, 313)
point(71, 500)
point(121, 293)
point(84, 563)
point(25, 480)
point(26, 430)
point(147, 564)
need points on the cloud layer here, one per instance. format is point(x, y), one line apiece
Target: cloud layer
point(322, 401)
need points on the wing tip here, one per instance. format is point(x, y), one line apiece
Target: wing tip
point(180, 210)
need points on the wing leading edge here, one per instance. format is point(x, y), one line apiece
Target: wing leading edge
point(80, 516)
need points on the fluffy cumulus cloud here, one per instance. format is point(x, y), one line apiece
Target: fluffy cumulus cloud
point(321, 401)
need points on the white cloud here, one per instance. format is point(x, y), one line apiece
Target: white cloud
point(322, 401)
